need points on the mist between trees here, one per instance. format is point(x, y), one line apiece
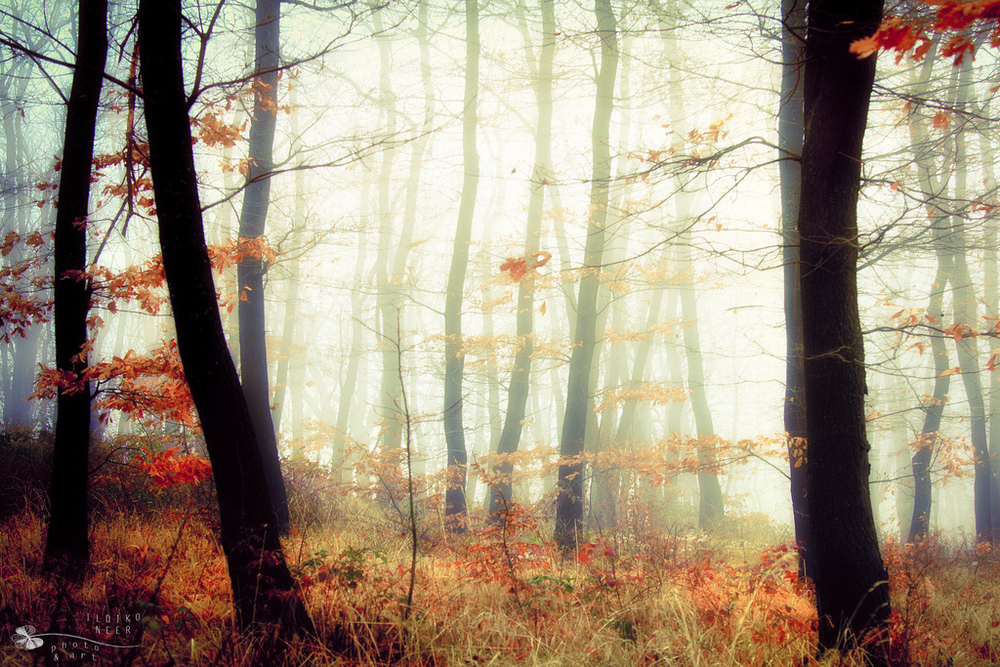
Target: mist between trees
point(468, 255)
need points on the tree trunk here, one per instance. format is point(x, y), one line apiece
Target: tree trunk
point(264, 592)
point(291, 302)
point(67, 546)
point(933, 410)
point(851, 591)
point(790, 133)
point(250, 272)
point(711, 509)
point(924, 155)
point(454, 364)
point(966, 311)
point(517, 392)
point(349, 384)
point(569, 487)
point(20, 360)
point(991, 301)
point(710, 504)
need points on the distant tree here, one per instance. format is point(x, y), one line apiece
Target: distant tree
point(933, 409)
point(711, 508)
point(67, 544)
point(454, 359)
point(517, 392)
point(264, 592)
point(569, 487)
point(852, 592)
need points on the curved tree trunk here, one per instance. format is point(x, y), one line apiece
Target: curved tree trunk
point(569, 487)
point(67, 545)
point(851, 590)
point(454, 360)
point(264, 592)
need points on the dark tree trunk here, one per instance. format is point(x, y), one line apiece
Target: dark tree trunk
point(933, 411)
point(250, 272)
point(67, 545)
point(790, 133)
point(454, 364)
point(569, 487)
point(851, 590)
point(264, 592)
point(517, 393)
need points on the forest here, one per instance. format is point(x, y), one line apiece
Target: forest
point(499, 332)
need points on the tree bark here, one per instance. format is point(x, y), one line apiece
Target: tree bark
point(569, 487)
point(517, 392)
point(930, 433)
point(67, 546)
point(966, 311)
point(924, 156)
point(250, 272)
point(264, 592)
point(791, 126)
point(454, 364)
point(851, 590)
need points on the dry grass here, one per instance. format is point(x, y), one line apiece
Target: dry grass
point(486, 600)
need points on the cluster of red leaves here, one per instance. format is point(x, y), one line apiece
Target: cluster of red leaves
point(519, 267)
point(142, 386)
point(950, 18)
point(225, 255)
point(142, 285)
point(212, 130)
point(504, 549)
point(170, 468)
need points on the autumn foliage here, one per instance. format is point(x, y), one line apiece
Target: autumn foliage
point(951, 20)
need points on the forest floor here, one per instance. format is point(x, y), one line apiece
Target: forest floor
point(650, 594)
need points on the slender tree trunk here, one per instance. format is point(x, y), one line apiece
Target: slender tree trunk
point(292, 295)
point(67, 545)
point(454, 434)
point(20, 353)
point(250, 272)
point(711, 509)
point(517, 393)
point(991, 301)
point(930, 435)
point(391, 405)
point(569, 487)
point(790, 134)
point(349, 385)
point(852, 594)
point(966, 310)
point(710, 503)
point(924, 155)
point(264, 592)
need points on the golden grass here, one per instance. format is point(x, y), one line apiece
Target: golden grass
point(484, 600)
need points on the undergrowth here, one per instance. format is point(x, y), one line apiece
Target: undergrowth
point(157, 592)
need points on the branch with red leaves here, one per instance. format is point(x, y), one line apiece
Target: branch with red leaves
point(953, 19)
